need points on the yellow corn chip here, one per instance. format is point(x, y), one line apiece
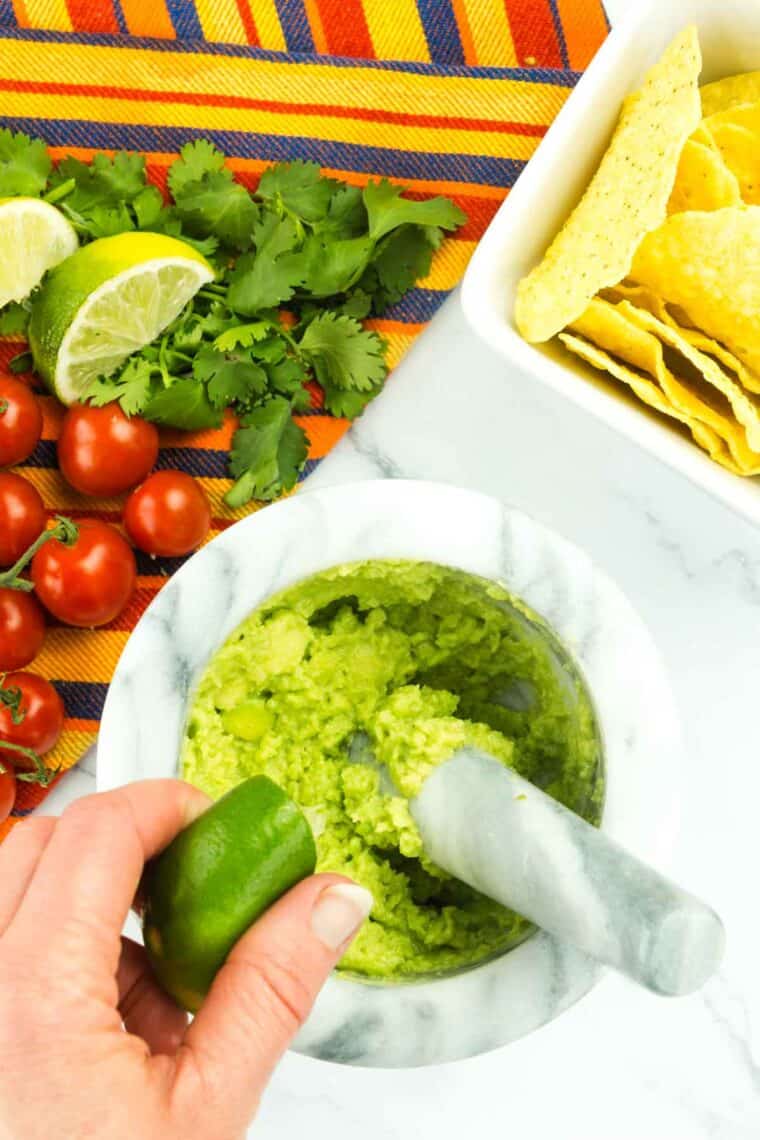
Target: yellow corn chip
point(644, 298)
point(703, 180)
point(730, 92)
point(745, 407)
point(626, 198)
point(708, 264)
point(704, 436)
point(738, 141)
point(612, 328)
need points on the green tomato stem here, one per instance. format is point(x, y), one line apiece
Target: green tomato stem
point(65, 530)
point(41, 775)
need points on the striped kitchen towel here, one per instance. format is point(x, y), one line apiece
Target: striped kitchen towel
point(445, 96)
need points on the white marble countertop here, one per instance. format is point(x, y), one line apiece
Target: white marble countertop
point(621, 1065)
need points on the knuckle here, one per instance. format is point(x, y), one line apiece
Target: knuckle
point(269, 987)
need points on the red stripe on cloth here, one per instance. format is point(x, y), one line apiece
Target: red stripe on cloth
point(533, 33)
point(241, 102)
point(249, 24)
point(345, 28)
point(93, 16)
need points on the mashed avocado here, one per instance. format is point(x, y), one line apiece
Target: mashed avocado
point(407, 661)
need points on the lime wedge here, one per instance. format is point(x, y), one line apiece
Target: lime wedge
point(108, 300)
point(34, 237)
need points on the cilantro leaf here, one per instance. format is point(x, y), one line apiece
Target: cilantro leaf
point(347, 216)
point(298, 188)
point(268, 452)
point(242, 336)
point(400, 260)
point(288, 376)
point(339, 402)
point(269, 276)
point(217, 205)
point(342, 353)
point(106, 181)
point(334, 266)
point(24, 165)
point(232, 377)
point(14, 317)
point(184, 404)
point(131, 388)
point(148, 206)
point(197, 159)
point(386, 210)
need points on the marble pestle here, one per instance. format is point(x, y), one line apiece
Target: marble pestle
point(486, 825)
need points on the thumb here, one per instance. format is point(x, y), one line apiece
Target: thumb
point(265, 991)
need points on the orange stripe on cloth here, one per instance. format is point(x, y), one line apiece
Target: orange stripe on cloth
point(585, 27)
point(249, 24)
point(465, 32)
point(148, 18)
point(93, 17)
point(533, 32)
point(344, 28)
point(20, 12)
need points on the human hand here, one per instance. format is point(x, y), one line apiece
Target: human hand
point(90, 1046)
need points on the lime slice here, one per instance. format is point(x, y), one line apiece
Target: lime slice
point(108, 300)
point(34, 237)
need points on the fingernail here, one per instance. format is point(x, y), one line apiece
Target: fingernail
point(339, 912)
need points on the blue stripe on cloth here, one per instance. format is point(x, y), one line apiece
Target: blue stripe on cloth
point(344, 156)
point(7, 15)
point(418, 305)
point(553, 77)
point(441, 31)
point(560, 33)
point(120, 19)
point(82, 699)
point(295, 25)
point(184, 17)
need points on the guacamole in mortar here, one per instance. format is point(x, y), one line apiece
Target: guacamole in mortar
point(407, 661)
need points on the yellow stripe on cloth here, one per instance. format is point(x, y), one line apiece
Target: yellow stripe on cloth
point(491, 33)
point(420, 140)
point(268, 25)
point(81, 654)
point(52, 14)
point(268, 80)
point(449, 263)
point(398, 34)
point(220, 21)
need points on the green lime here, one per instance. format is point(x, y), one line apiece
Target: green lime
point(216, 878)
point(34, 237)
point(106, 301)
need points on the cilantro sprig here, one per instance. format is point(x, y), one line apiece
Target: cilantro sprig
point(330, 253)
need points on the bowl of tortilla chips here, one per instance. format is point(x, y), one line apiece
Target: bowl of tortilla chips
point(623, 270)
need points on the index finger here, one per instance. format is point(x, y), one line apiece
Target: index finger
point(90, 869)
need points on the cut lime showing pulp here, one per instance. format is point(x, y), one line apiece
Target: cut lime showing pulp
point(34, 237)
point(108, 300)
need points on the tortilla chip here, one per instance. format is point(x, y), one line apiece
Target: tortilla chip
point(704, 436)
point(614, 329)
point(745, 407)
point(730, 92)
point(738, 144)
point(703, 181)
point(626, 198)
point(708, 264)
point(644, 298)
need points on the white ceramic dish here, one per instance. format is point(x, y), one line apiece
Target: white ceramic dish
point(551, 185)
point(464, 1014)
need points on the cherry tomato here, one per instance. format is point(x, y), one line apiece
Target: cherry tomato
point(168, 515)
point(103, 452)
point(89, 581)
point(7, 791)
point(22, 516)
point(20, 420)
point(31, 715)
point(22, 629)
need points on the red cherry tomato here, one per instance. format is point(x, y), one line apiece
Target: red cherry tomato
point(89, 581)
point(168, 515)
point(20, 420)
point(103, 452)
point(31, 715)
point(22, 629)
point(7, 791)
point(22, 516)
